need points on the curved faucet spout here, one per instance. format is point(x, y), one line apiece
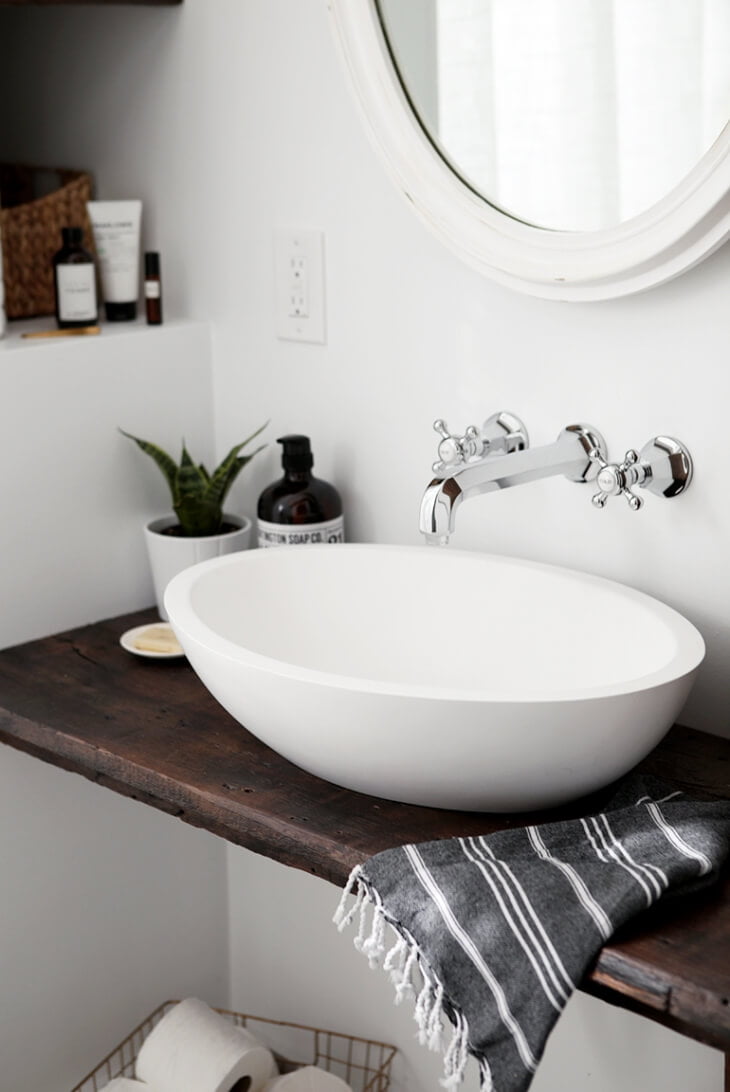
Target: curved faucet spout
point(573, 454)
point(438, 508)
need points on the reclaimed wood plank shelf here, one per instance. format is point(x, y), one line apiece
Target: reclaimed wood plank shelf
point(150, 730)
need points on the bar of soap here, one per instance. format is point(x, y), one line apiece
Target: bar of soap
point(157, 639)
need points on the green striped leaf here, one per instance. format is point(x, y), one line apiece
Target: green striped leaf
point(197, 496)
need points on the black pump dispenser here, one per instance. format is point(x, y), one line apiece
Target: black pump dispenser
point(299, 509)
point(296, 453)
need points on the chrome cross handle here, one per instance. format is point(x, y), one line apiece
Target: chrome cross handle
point(663, 466)
point(453, 449)
point(502, 432)
point(615, 480)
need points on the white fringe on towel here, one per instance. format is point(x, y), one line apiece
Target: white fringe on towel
point(401, 959)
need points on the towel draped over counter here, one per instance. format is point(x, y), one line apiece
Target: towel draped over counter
point(498, 931)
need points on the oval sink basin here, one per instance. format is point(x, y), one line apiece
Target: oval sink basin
point(437, 676)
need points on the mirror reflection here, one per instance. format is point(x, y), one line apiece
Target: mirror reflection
point(571, 115)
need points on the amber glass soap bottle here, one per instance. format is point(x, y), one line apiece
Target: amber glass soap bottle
point(299, 509)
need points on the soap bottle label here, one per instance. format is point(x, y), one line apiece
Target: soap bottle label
point(76, 293)
point(301, 534)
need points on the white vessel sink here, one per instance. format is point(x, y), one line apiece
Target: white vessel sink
point(437, 676)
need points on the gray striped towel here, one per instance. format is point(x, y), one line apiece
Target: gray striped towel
point(498, 931)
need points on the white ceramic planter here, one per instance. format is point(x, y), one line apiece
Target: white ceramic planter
point(170, 554)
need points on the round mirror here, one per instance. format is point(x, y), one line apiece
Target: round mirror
point(576, 149)
point(571, 115)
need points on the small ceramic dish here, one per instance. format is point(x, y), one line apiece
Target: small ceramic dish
point(156, 641)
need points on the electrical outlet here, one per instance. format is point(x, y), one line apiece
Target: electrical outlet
point(299, 287)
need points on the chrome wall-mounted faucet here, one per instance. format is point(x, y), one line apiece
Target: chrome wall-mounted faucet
point(498, 456)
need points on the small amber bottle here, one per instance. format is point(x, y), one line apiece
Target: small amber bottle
point(299, 509)
point(152, 288)
point(74, 279)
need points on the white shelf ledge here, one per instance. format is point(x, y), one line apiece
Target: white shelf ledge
point(14, 341)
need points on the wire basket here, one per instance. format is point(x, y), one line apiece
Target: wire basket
point(364, 1064)
point(36, 203)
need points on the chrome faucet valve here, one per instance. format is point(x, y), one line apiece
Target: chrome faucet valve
point(663, 466)
point(504, 432)
point(500, 433)
point(455, 450)
point(615, 480)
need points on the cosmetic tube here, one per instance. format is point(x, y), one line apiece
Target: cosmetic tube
point(116, 228)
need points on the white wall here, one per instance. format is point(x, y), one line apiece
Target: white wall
point(79, 492)
point(107, 909)
point(231, 119)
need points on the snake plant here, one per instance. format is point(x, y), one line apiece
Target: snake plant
point(197, 496)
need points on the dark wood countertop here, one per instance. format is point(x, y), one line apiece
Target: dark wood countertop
point(150, 730)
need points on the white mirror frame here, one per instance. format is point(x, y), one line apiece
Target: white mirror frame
point(666, 240)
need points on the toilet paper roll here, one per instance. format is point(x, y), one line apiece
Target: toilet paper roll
point(194, 1049)
point(310, 1078)
point(125, 1084)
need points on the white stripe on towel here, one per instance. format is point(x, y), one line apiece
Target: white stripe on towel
point(675, 838)
point(651, 871)
point(467, 944)
point(547, 951)
point(520, 928)
point(607, 849)
point(662, 800)
point(586, 899)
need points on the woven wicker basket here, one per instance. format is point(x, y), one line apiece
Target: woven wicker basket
point(30, 226)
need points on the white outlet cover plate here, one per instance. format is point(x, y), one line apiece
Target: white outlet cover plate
point(291, 245)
